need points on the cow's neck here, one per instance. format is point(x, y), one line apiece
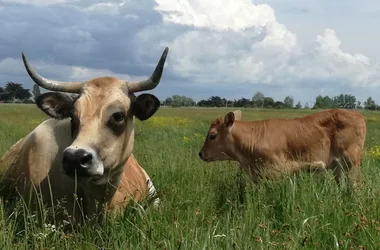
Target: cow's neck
point(246, 143)
point(96, 196)
point(102, 193)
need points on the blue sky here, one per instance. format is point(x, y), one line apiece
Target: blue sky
point(230, 48)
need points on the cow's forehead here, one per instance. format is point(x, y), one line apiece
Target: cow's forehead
point(100, 93)
point(101, 84)
point(216, 123)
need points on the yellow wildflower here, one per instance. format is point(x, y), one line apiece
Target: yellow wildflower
point(374, 151)
point(172, 121)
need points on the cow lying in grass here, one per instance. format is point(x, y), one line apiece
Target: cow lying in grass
point(83, 156)
point(331, 139)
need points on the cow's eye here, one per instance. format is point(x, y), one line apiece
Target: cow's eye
point(118, 116)
point(212, 136)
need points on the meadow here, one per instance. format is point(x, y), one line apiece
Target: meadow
point(204, 204)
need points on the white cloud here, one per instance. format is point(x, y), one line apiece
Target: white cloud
point(107, 7)
point(82, 74)
point(15, 67)
point(243, 42)
point(219, 15)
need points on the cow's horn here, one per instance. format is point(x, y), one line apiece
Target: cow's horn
point(70, 87)
point(153, 81)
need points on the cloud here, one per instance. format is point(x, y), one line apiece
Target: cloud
point(70, 73)
point(230, 45)
point(218, 15)
point(256, 48)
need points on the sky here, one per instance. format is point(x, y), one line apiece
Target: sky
point(230, 48)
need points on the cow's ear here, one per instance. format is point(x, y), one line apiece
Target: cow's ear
point(229, 119)
point(145, 106)
point(56, 105)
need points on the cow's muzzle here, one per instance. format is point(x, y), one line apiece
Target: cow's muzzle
point(201, 155)
point(81, 163)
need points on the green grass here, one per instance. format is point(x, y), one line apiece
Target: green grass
point(202, 201)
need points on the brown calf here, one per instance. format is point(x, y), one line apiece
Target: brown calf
point(331, 139)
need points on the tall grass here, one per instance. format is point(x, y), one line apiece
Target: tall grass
point(206, 205)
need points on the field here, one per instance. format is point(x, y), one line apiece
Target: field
point(204, 206)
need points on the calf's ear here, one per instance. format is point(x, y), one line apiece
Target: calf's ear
point(145, 106)
point(55, 104)
point(229, 119)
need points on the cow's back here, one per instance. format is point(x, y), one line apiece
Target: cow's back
point(327, 135)
point(316, 137)
point(304, 139)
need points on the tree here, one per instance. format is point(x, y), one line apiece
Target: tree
point(339, 101)
point(243, 102)
point(359, 105)
point(36, 91)
point(328, 103)
point(306, 106)
point(268, 102)
point(370, 104)
point(279, 105)
point(16, 91)
point(344, 101)
point(298, 105)
point(349, 101)
point(176, 101)
point(258, 99)
point(318, 102)
point(179, 101)
point(4, 96)
point(289, 102)
point(214, 101)
point(323, 102)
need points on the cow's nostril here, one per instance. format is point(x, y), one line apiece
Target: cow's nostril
point(77, 162)
point(200, 154)
point(85, 158)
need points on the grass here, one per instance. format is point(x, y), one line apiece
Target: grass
point(205, 206)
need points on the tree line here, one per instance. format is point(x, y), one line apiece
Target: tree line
point(259, 100)
point(14, 92)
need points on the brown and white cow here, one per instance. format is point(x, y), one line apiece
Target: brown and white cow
point(331, 139)
point(84, 154)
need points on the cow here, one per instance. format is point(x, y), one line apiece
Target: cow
point(269, 149)
point(81, 158)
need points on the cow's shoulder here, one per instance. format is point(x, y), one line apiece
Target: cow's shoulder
point(35, 154)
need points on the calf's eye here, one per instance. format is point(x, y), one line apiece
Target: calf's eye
point(212, 136)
